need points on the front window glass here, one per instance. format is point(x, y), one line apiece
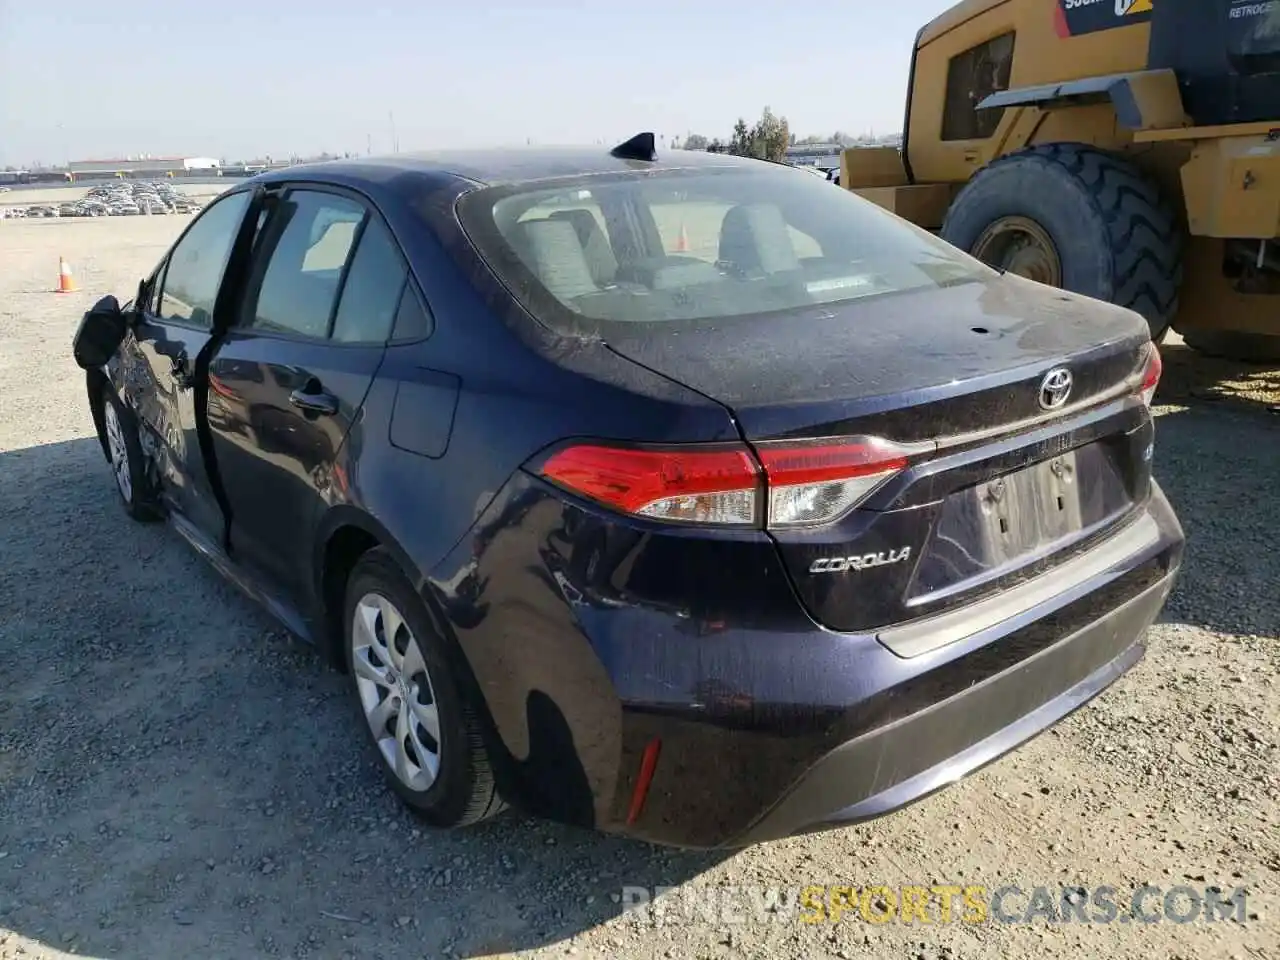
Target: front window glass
point(197, 262)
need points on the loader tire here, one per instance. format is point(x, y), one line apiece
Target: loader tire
point(1114, 237)
point(1233, 345)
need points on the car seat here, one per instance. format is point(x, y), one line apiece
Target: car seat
point(595, 245)
point(552, 250)
point(755, 241)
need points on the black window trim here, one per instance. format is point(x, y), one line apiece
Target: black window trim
point(154, 285)
point(283, 188)
point(162, 272)
point(413, 289)
point(356, 236)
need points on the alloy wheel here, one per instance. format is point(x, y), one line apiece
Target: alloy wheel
point(119, 452)
point(395, 691)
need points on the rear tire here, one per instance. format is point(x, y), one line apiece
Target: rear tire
point(1116, 238)
point(430, 747)
point(1233, 345)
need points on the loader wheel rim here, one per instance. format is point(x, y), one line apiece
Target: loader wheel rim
point(1022, 247)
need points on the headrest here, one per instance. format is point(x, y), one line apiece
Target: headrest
point(553, 252)
point(754, 238)
point(600, 258)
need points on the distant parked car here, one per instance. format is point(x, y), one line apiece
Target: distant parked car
point(68, 210)
point(41, 210)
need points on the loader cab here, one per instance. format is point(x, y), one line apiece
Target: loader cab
point(1226, 55)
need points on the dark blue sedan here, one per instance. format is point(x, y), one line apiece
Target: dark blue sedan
point(678, 496)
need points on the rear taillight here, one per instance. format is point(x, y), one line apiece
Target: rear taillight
point(717, 484)
point(821, 481)
point(1151, 374)
point(791, 484)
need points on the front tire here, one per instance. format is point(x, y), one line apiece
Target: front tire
point(124, 453)
point(407, 684)
point(1109, 233)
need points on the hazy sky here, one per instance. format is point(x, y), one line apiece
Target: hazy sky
point(235, 79)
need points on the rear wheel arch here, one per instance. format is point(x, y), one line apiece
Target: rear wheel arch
point(345, 536)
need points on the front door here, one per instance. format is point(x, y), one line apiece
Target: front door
point(287, 382)
point(174, 326)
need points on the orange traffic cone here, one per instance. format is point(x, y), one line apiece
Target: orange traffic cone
point(66, 282)
point(682, 241)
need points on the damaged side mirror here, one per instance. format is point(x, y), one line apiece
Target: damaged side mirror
point(101, 329)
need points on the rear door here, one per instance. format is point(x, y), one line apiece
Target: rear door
point(174, 327)
point(288, 381)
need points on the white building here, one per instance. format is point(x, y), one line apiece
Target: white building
point(144, 165)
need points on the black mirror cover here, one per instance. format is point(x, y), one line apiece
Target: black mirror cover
point(101, 329)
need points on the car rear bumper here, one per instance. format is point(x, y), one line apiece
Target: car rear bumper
point(904, 762)
point(767, 726)
point(1063, 646)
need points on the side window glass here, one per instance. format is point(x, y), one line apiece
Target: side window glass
point(371, 292)
point(151, 298)
point(197, 262)
point(304, 247)
point(973, 76)
point(413, 320)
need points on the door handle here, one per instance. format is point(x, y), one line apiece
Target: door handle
point(314, 399)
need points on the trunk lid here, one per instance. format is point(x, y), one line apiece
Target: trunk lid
point(922, 363)
point(998, 487)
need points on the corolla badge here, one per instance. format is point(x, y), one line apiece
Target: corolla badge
point(1055, 388)
point(864, 562)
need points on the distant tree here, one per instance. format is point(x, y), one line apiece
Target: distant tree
point(767, 140)
point(695, 141)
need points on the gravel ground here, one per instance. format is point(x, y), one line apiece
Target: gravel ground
point(179, 778)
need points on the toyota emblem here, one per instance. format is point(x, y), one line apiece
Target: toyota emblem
point(1055, 388)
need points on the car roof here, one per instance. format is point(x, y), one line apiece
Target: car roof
point(504, 166)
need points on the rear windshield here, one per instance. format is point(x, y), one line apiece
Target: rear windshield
point(588, 253)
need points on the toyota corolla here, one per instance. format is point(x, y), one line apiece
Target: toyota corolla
point(676, 496)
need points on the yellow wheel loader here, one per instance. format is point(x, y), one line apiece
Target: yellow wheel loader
point(1124, 149)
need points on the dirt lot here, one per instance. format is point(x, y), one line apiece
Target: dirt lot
point(180, 779)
